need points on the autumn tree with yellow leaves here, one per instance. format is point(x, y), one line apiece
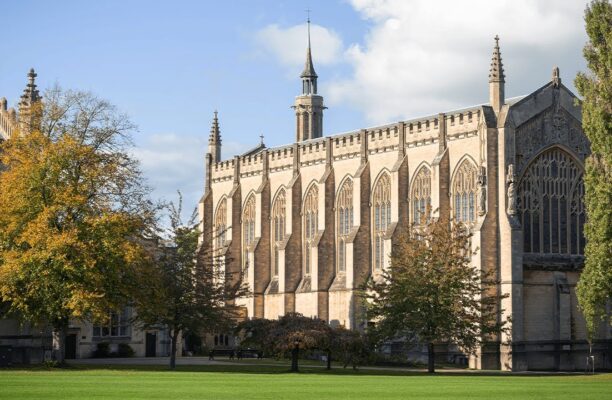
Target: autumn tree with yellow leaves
point(74, 213)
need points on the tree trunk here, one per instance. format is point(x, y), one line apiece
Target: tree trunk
point(58, 352)
point(329, 359)
point(294, 358)
point(174, 339)
point(430, 358)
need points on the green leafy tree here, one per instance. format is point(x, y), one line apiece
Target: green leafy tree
point(431, 293)
point(350, 347)
point(190, 290)
point(73, 210)
point(595, 286)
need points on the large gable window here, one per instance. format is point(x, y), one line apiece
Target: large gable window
point(550, 205)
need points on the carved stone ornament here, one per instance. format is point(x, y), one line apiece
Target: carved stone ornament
point(511, 191)
point(482, 191)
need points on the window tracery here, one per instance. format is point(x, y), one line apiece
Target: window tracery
point(550, 205)
point(464, 193)
point(311, 213)
point(421, 196)
point(248, 229)
point(344, 210)
point(278, 229)
point(381, 202)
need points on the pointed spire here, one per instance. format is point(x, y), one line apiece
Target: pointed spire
point(309, 71)
point(214, 139)
point(30, 93)
point(496, 73)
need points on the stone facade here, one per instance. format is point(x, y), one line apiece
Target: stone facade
point(511, 169)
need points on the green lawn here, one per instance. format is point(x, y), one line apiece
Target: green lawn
point(260, 382)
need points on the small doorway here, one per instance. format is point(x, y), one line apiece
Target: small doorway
point(71, 347)
point(150, 342)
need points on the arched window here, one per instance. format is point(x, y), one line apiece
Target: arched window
point(464, 193)
point(221, 224)
point(550, 205)
point(344, 212)
point(278, 228)
point(311, 213)
point(420, 197)
point(381, 202)
point(248, 229)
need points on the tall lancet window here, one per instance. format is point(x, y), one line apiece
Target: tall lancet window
point(550, 204)
point(278, 229)
point(464, 192)
point(248, 229)
point(221, 224)
point(420, 197)
point(381, 202)
point(344, 211)
point(311, 214)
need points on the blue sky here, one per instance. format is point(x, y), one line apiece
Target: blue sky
point(169, 65)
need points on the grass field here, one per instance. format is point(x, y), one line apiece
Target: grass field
point(260, 382)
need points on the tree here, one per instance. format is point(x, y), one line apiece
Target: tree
point(73, 210)
point(191, 291)
point(349, 347)
point(595, 286)
point(286, 336)
point(431, 293)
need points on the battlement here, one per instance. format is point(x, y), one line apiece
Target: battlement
point(8, 120)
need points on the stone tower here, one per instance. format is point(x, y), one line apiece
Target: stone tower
point(309, 105)
point(214, 140)
point(496, 79)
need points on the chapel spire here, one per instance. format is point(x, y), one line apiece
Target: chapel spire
point(214, 140)
point(496, 79)
point(309, 76)
point(309, 106)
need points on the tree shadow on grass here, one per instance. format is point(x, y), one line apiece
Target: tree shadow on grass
point(280, 369)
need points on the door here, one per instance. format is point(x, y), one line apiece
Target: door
point(150, 341)
point(71, 347)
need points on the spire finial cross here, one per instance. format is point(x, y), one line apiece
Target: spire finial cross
point(262, 138)
point(497, 40)
point(308, 22)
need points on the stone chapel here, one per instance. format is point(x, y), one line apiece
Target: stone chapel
point(308, 223)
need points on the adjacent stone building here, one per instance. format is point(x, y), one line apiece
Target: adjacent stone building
point(309, 222)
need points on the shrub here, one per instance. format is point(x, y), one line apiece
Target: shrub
point(125, 350)
point(102, 350)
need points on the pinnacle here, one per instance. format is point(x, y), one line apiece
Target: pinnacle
point(496, 73)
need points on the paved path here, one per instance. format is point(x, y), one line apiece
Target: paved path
point(224, 361)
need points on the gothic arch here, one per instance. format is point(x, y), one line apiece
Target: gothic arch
point(381, 217)
point(550, 203)
point(464, 190)
point(420, 194)
point(344, 218)
point(249, 216)
point(278, 231)
point(310, 224)
point(220, 223)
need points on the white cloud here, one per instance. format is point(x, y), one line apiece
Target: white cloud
point(288, 45)
point(425, 56)
point(176, 162)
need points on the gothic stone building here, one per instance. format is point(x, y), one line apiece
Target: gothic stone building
point(308, 223)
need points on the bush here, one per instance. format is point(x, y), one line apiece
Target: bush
point(102, 350)
point(125, 350)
